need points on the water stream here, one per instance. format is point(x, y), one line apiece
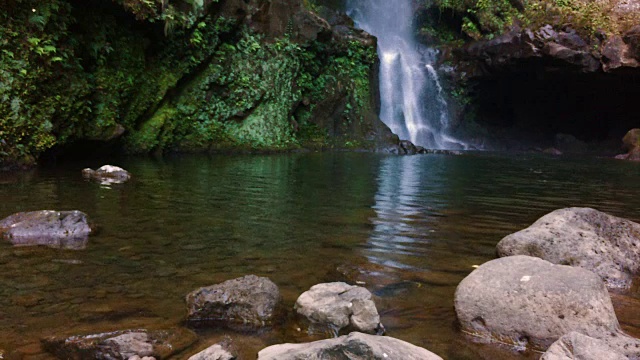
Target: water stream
point(412, 100)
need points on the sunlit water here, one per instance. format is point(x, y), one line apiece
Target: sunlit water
point(411, 228)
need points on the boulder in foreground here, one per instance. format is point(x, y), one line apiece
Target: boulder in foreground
point(583, 237)
point(248, 302)
point(339, 305)
point(575, 346)
point(126, 344)
point(530, 302)
point(355, 346)
point(57, 229)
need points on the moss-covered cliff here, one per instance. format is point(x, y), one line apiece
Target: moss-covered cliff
point(187, 75)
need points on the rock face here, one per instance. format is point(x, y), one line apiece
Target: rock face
point(339, 305)
point(121, 344)
point(57, 229)
point(355, 346)
point(531, 302)
point(107, 174)
point(575, 346)
point(584, 237)
point(631, 143)
point(249, 301)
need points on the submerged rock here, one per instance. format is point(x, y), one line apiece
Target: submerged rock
point(530, 302)
point(123, 345)
point(57, 229)
point(584, 237)
point(249, 301)
point(575, 346)
point(107, 175)
point(339, 305)
point(355, 346)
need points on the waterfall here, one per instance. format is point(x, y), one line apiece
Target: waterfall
point(411, 97)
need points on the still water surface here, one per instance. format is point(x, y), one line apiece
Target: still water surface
point(411, 228)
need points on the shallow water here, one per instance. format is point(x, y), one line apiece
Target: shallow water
point(409, 227)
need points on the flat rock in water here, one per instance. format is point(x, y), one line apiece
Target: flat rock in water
point(249, 301)
point(575, 346)
point(57, 229)
point(125, 344)
point(583, 237)
point(339, 305)
point(530, 302)
point(355, 346)
point(215, 352)
point(107, 174)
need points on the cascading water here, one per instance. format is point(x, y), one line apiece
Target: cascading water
point(411, 98)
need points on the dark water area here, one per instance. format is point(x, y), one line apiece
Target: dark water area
point(409, 228)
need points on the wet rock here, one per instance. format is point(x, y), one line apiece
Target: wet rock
point(249, 301)
point(215, 352)
point(355, 346)
point(136, 357)
point(339, 305)
point(408, 147)
point(107, 175)
point(552, 151)
point(631, 143)
point(57, 229)
point(575, 346)
point(530, 302)
point(125, 344)
point(583, 237)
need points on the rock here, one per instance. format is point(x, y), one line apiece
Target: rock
point(552, 151)
point(249, 301)
point(584, 237)
point(215, 352)
point(355, 346)
point(107, 175)
point(125, 344)
point(408, 147)
point(631, 143)
point(136, 357)
point(57, 229)
point(530, 302)
point(339, 305)
point(575, 346)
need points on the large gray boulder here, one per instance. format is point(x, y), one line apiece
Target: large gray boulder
point(355, 346)
point(339, 305)
point(583, 237)
point(57, 229)
point(107, 174)
point(215, 352)
point(120, 345)
point(575, 346)
point(247, 302)
point(530, 302)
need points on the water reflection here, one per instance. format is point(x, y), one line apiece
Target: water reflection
point(402, 226)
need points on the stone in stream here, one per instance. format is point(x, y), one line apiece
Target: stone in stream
point(57, 229)
point(107, 174)
point(575, 346)
point(339, 305)
point(530, 302)
point(631, 143)
point(248, 302)
point(125, 344)
point(355, 346)
point(221, 351)
point(583, 237)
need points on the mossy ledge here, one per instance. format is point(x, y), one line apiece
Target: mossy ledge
point(181, 75)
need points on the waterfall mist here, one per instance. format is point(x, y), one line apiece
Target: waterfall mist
point(411, 97)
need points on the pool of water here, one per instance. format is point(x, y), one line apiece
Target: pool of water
point(410, 228)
